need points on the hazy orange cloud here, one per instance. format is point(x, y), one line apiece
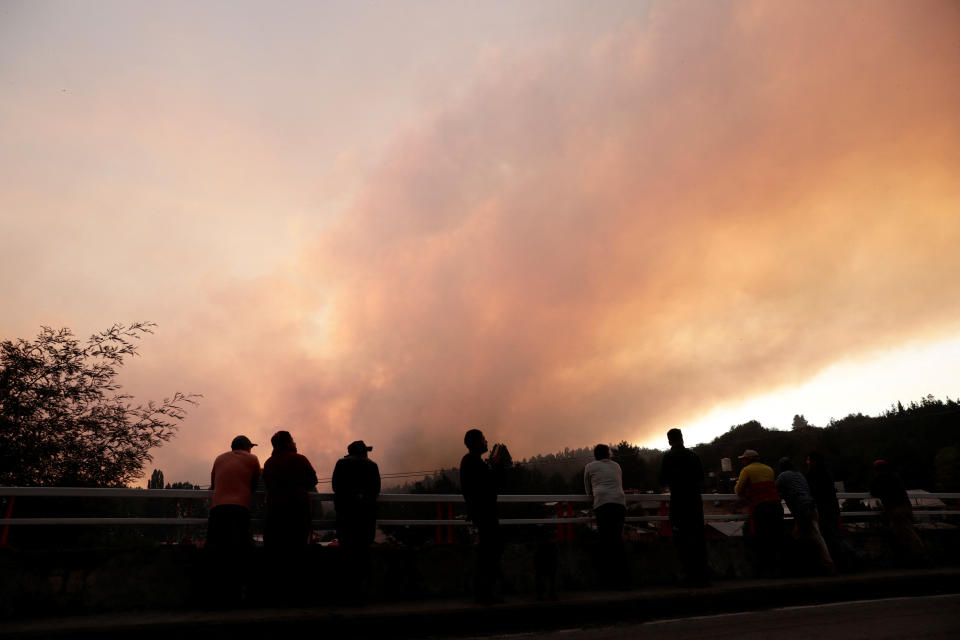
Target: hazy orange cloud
point(599, 244)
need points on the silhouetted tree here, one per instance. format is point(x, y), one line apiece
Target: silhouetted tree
point(62, 418)
point(189, 486)
point(632, 464)
point(156, 480)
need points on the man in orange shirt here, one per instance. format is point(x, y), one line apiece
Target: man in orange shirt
point(756, 485)
point(234, 480)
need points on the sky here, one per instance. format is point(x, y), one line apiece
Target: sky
point(561, 222)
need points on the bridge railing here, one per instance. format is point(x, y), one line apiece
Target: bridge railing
point(926, 505)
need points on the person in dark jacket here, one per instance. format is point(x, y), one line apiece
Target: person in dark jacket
point(824, 493)
point(356, 485)
point(682, 471)
point(479, 483)
point(793, 488)
point(888, 487)
point(289, 478)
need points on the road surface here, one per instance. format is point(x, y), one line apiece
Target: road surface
point(916, 618)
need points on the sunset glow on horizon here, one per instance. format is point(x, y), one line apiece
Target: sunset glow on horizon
point(565, 224)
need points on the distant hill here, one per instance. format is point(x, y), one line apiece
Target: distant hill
point(921, 440)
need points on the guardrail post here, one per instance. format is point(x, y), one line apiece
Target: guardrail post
point(560, 530)
point(6, 528)
point(570, 514)
point(439, 526)
point(449, 526)
point(173, 528)
point(186, 528)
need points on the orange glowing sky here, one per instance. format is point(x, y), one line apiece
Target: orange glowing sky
point(565, 223)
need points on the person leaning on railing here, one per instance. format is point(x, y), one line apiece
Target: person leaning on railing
point(888, 487)
point(603, 480)
point(796, 493)
point(756, 486)
point(233, 480)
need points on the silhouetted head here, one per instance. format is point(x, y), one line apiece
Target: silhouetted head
point(283, 441)
point(785, 464)
point(881, 466)
point(475, 441)
point(675, 437)
point(241, 443)
point(748, 456)
point(358, 448)
point(601, 452)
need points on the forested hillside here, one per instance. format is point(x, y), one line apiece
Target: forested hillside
point(921, 440)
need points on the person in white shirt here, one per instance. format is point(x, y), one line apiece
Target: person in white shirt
point(603, 480)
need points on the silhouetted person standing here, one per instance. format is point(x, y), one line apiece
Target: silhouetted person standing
point(233, 480)
point(603, 479)
point(356, 485)
point(682, 471)
point(888, 487)
point(289, 478)
point(793, 488)
point(479, 482)
point(756, 486)
point(824, 493)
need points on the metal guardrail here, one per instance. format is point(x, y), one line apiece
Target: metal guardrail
point(654, 500)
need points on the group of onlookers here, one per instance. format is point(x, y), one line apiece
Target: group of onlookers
point(811, 499)
point(288, 477)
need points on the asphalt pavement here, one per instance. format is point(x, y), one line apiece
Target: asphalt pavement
point(910, 618)
point(460, 617)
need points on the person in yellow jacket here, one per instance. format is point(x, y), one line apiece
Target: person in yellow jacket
point(756, 485)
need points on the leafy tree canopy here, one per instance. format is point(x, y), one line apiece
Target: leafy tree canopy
point(63, 419)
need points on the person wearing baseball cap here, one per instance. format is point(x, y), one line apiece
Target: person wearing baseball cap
point(233, 480)
point(356, 486)
point(756, 486)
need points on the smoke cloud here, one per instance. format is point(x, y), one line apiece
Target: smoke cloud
point(600, 242)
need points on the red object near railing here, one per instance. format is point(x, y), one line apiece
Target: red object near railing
point(6, 528)
point(444, 528)
point(665, 528)
point(564, 531)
